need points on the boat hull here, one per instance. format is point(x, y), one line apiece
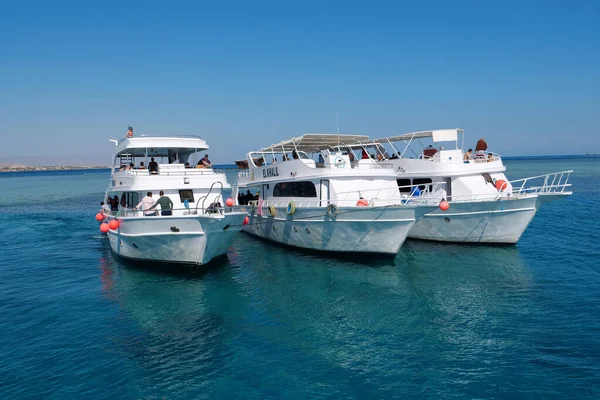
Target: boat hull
point(352, 230)
point(194, 239)
point(501, 222)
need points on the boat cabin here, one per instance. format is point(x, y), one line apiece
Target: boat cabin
point(172, 164)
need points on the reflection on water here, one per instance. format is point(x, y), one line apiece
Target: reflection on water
point(269, 304)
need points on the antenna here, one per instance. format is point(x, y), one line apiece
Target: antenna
point(337, 122)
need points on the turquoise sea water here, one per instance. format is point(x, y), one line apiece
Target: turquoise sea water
point(438, 321)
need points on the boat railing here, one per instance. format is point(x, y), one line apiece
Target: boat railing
point(486, 158)
point(212, 205)
point(176, 212)
point(431, 194)
point(556, 182)
point(172, 172)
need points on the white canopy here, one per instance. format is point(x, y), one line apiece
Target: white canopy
point(315, 141)
point(138, 146)
point(440, 135)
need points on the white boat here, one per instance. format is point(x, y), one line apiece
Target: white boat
point(199, 227)
point(333, 203)
point(485, 207)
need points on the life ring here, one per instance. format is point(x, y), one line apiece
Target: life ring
point(339, 162)
point(332, 210)
point(272, 210)
point(291, 208)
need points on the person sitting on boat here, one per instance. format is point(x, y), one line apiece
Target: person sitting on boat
point(145, 205)
point(294, 155)
point(166, 205)
point(350, 155)
point(379, 157)
point(129, 133)
point(206, 162)
point(490, 157)
point(480, 149)
point(153, 166)
point(130, 166)
point(365, 155)
point(187, 165)
point(142, 166)
point(468, 156)
point(104, 208)
point(429, 152)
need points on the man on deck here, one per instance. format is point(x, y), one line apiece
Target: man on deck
point(166, 205)
point(145, 205)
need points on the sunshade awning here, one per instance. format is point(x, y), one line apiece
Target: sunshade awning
point(313, 142)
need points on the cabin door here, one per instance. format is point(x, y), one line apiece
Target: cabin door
point(324, 192)
point(448, 188)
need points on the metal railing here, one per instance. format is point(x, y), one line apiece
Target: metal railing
point(205, 197)
point(174, 172)
point(556, 182)
point(485, 159)
point(431, 194)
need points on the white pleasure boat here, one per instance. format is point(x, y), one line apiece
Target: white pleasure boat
point(303, 193)
point(197, 228)
point(485, 207)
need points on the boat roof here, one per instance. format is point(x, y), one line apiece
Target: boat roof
point(162, 141)
point(439, 135)
point(311, 142)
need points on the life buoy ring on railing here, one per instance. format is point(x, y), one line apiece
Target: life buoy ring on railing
point(291, 208)
point(332, 210)
point(272, 210)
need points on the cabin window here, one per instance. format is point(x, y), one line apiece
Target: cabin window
point(295, 189)
point(133, 199)
point(422, 182)
point(186, 194)
point(404, 182)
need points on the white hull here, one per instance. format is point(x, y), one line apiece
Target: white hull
point(199, 238)
point(478, 222)
point(353, 230)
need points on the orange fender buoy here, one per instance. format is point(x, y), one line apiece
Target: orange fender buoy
point(362, 203)
point(229, 202)
point(113, 224)
point(444, 205)
point(104, 227)
point(246, 220)
point(99, 217)
point(501, 185)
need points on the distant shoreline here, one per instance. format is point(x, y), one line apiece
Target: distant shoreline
point(30, 168)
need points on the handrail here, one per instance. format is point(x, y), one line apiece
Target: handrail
point(555, 182)
point(175, 172)
point(203, 198)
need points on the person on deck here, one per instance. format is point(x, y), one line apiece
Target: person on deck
point(104, 208)
point(166, 205)
point(114, 203)
point(468, 156)
point(153, 166)
point(365, 155)
point(142, 166)
point(205, 161)
point(129, 133)
point(480, 149)
point(145, 205)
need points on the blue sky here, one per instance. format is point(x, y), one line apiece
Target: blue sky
point(524, 75)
